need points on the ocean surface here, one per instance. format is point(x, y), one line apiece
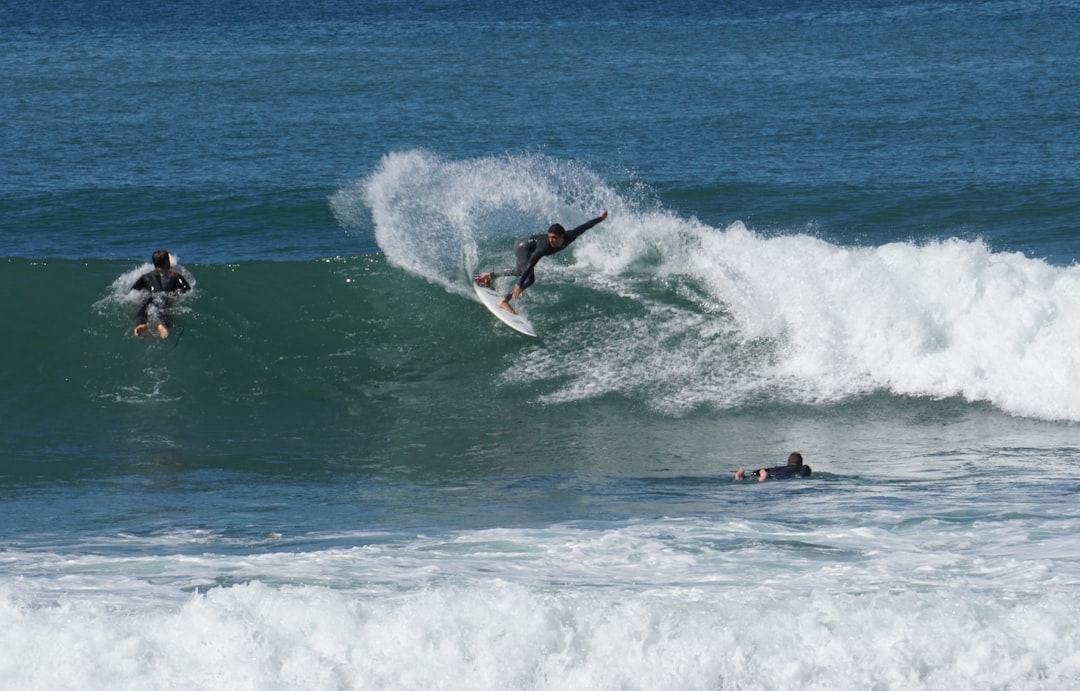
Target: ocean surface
point(841, 228)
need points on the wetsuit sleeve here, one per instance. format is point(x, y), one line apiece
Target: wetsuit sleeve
point(574, 234)
point(184, 286)
point(783, 472)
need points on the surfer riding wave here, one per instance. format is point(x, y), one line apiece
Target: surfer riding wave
point(529, 250)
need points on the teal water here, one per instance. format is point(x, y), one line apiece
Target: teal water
point(838, 229)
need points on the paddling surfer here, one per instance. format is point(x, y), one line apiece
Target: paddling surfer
point(794, 468)
point(161, 287)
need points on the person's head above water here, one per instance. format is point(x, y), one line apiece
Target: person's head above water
point(556, 235)
point(161, 259)
point(795, 458)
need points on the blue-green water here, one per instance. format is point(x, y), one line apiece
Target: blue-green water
point(838, 229)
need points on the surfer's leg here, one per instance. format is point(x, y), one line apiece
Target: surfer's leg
point(487, 279)
point(161, 321)
point(521, 254)
point(141, 320)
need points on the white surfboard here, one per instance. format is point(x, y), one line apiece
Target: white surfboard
point(491, 299)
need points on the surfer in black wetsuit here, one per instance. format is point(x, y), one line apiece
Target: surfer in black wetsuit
point(161, 285)
point(794, 468)
point(531, 249)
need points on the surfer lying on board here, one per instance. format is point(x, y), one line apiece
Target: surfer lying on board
point(531, 249)
point(161, 286)
point(794, 468)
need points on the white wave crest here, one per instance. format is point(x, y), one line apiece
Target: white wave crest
point(701, 316)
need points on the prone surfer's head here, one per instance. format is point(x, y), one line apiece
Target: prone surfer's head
point(795, 459)
point(556, 235)
point(161, 259)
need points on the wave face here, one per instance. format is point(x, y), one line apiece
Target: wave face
point(649, 314)
point(678, 315)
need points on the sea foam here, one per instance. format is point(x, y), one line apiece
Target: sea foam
point(650, 605)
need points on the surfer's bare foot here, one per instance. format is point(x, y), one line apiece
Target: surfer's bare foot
point(505, 304)
point(762, 475)
point(145, 331)
point(740, 474)
point(483, 280)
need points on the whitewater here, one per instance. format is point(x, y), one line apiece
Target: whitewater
point(725, 316)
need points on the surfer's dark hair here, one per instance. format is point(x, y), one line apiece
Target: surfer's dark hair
point(557, 229)
point(161, 259)
point(795, 459)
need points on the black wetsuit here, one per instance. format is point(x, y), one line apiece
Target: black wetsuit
point(532, 248)
point(783, 472)
point(162, 284)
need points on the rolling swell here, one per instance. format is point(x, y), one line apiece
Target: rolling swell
point(325, 363)
point(268, 363)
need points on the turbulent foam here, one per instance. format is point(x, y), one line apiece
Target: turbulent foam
point(703, 316)
point(438, 218)
point(657, 605)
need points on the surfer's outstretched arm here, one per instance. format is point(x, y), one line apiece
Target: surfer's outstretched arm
point(574, 234)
